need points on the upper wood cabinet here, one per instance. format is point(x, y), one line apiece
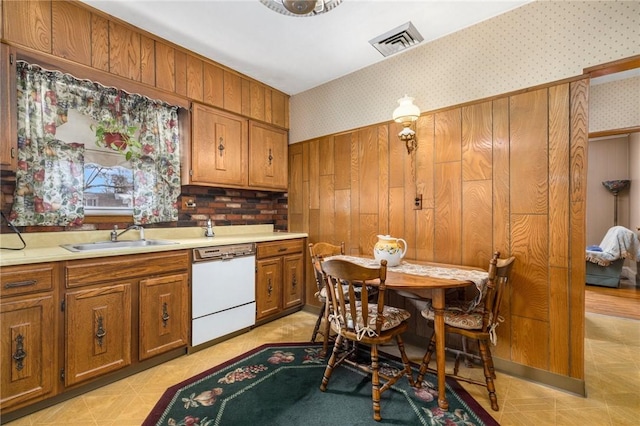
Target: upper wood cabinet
point(71, 32)
point(268, 156)
point(229, 151)
point(8, 120)
point(218, 148)
point(28, 23)
point(75, 32)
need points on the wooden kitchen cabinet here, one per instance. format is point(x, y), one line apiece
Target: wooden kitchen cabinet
point(219, 147)
point(27, 347)
point(268, 157)
point(268, 287)
point(164, 314)
point(97, 331)
point(8, 119)
point(102, 334)
point(293, 283)
point(279, 278)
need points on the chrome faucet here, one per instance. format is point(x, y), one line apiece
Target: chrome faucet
point(115, 234)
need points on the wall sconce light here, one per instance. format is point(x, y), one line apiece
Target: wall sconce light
point(406, 114)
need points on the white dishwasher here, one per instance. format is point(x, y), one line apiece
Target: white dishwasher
point(223, 291)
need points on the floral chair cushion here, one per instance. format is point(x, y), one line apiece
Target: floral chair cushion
point(456, 315)
point(393, 317)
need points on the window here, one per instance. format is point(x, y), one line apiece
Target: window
point(131, 155)
point(108, 178)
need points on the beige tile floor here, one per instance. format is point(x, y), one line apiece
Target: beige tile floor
point(612, 368)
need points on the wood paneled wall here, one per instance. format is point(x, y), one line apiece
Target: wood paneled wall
point(504, 174)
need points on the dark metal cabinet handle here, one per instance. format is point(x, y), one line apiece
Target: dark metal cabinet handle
point(270, 157)
point(101, 332)
point(294, 281)
point(221, 146)
point(165, 314)
point(20, 284)
point(20, 353)
point(269, 287)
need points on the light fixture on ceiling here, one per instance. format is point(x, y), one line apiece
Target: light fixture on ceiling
point(301, 7)
point(406, 113)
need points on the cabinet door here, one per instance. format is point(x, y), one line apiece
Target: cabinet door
point(8, 127)
point(98, 331)
point(218, 148)
point(27, 349)
point(268, 157)
point(293, 283)
point(28, 23)
point(163, 314)
point(268, 287)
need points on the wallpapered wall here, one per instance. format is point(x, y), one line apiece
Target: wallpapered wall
point(537, 43)
point(614, 105)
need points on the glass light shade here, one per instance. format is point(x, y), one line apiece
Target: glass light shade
point(615, 186)
point(407, 111)
point(301, 7)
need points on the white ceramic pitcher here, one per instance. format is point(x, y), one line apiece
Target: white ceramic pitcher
point(388, 248)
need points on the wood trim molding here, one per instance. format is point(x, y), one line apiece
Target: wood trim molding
point(613, 67)
point(614, 132)
point(106, 79)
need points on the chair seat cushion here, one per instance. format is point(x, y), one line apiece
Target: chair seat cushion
point(393, 317)
point(456, 315)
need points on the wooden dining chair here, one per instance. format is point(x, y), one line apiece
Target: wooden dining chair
point(360, 321)
point(478, 323)
point(319, 251)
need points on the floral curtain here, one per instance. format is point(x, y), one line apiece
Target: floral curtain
point(49, 177)
point(44, 99)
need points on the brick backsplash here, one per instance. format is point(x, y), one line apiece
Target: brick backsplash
point(224, 207)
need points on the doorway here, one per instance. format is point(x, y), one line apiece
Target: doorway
point(614, 153)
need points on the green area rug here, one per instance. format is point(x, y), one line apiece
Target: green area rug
point(279, 385)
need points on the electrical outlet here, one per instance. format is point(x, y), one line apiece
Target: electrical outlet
point(417, 202)
point(188, 204)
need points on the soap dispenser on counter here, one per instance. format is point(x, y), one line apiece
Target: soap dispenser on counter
point(209, 229)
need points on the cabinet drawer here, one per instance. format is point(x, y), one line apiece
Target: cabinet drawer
point(278, 248)
point(25, 279)
point(92, 271)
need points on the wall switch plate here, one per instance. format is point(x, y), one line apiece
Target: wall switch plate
point(417, 202)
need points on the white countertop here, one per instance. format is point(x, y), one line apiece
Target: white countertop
point(45, 246)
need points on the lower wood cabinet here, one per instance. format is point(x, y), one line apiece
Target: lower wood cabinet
point(28, 342)
point(97, 331)
point(102, 334)
point(64, 325)
point(28, 354)
point(164, 314)
point(279, 278)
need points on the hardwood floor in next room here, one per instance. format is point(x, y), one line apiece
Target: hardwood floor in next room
point(620, 302)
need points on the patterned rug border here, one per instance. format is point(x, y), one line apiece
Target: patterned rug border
point(156, 413)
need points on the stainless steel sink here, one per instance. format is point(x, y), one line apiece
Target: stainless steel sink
point(114, 245)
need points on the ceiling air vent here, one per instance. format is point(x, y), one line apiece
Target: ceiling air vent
point(397, 40)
